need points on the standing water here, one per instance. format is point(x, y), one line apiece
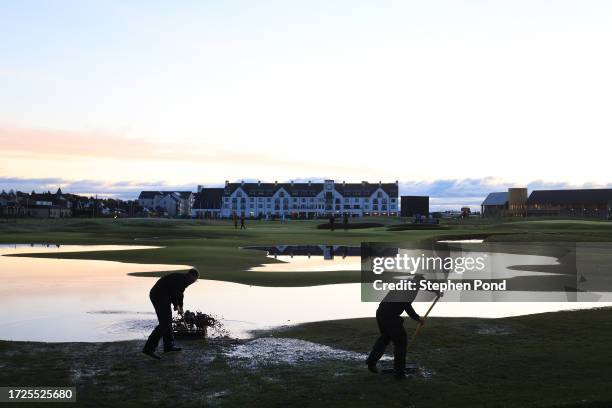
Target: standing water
point(83, 300)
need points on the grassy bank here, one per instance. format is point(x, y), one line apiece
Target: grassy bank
point(558, 359)
point(215, 246)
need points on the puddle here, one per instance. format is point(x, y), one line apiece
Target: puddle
point(413, 370)
point(310, 258)
point(63, 300)
point(461, 241)
point(118, 312)
point(273, 351)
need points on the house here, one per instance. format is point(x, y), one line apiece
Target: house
point(495, 204)
point(171, 203)
point(584, 203)
point(207, 203)
point(46, 205)
point(309, 200)
point(9, 205)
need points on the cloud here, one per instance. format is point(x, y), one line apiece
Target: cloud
point(32, 143)
point(444, 194)
point(455, 193)
point(126, 190)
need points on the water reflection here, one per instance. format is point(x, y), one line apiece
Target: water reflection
point(310, 258)
point(83, 300)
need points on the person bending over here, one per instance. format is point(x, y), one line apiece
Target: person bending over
point(167, 291)
point(391, 327)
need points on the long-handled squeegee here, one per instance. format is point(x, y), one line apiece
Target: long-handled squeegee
point(418, 329)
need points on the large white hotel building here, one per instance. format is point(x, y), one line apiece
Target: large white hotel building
point(301, 200)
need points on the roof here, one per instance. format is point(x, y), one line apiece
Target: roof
point(568, 197)
point(269, 189)
point(500, 198)
point(365, 189)
point(171, 196)
point(148, 195)
point(209, 198)
point(362, 189)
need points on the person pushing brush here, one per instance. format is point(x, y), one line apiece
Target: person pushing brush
point(391, 327)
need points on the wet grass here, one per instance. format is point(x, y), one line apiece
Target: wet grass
point(214, 247)
point(550, 360)
point(560, 359)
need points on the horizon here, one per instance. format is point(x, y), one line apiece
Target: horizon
point(444, 194)
point(145, 94)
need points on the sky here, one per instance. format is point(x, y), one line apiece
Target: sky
point(112, 96)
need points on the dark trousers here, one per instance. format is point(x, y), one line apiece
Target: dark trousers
point(164, 328)
point(391, 330)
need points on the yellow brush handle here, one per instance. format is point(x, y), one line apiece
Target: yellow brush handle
point(418, 329)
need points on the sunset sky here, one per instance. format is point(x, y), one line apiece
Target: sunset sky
point(114, 96)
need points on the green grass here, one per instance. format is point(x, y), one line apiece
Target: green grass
point(549, 360)
point(214, 247)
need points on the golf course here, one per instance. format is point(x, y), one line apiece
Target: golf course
point(560, 359)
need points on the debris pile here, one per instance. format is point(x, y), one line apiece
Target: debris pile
point(197, 324)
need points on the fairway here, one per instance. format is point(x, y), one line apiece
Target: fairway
point(216, 248)
point(557, 359)
point(549, 360)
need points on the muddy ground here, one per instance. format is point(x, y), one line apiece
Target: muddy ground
point(558, 359)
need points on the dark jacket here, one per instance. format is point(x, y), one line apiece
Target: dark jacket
point(395, 303)
point(171, 287)
point(395, 309)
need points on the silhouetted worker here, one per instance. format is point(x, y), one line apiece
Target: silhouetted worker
point(235, 221)
point(242, 224)
point(391, 327)
point(345, 221)
point(168, 290)
point(332, 221)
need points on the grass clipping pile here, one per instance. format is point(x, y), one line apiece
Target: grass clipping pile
point(198, 325)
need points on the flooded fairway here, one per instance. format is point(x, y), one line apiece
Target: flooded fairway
point(60, 300)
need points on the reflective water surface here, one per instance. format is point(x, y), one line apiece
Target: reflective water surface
point(82, 300)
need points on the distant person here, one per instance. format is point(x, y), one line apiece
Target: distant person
point(235, 221)
point(168, 290)
point(391, 327)
point(242, 224)
point(332, 221)
point(345, 221)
